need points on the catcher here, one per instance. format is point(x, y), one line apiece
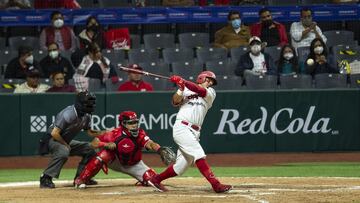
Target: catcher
point(121, 151)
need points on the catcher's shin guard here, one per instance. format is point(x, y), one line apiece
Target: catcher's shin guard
point(94, 165)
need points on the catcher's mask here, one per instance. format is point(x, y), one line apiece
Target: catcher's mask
point(129, 120)
point(85, 102)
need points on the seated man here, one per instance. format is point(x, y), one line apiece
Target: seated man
point(32, 84)
point(305, 31)
point(135, 82)
point(271, 32)
point(59, 33)
point(234, 34)
point(121, 151)
point(58, 79)
point(254, 61)
point(18, 66)
point(54, 62)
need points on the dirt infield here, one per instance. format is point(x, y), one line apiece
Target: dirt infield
point(261, 190)
point(243, 159)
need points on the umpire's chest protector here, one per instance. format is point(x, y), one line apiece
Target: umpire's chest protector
point(128, 150)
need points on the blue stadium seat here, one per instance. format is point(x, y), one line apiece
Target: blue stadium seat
point(143, 55)
point(295, 81)
point(326, 80)
point(171, 55)
point(211, 54)
point(255, 82)
point(159, 41)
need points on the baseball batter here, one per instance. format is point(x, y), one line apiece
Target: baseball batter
point(60, 142)
point(121, 151)
point(194, 101)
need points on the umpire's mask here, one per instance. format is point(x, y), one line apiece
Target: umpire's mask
point(85, 103)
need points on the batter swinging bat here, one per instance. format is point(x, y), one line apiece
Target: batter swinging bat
point(143, 72)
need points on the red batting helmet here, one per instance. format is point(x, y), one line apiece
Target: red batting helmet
point(129, 117)
point(206, 74)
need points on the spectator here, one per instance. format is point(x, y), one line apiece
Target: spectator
point(62, 35)
point(254, 61)
point(67, 4)
point(92, 33)
point(54, 62)
point(271, 32)
point(305, 31)
point(58, 79)
point(135, 82)
point(178, 2)
point(94, 65)
point(288, 62)
point(15, 4)
point(32, 84)
point(318, 60)
point(234, 34)
point(18, 66)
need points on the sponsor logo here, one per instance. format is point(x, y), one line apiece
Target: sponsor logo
point(231, 122)
point(37, 124)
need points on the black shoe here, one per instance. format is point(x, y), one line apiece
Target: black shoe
point(91, 182)
point(46, 181)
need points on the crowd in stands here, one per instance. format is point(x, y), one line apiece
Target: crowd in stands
point(74, 60)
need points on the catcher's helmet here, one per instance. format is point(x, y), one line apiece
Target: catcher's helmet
point(129, 118)
point(85, 102)
point(206, 74)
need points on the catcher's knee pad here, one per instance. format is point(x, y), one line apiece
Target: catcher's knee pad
point(147, 176)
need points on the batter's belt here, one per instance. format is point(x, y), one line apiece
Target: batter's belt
point(195, 127)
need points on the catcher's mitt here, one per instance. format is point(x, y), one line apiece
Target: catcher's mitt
point(167, 155)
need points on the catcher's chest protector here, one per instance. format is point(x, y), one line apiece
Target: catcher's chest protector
point(126, 149)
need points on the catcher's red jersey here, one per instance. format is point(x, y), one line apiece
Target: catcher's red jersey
point(128, 147)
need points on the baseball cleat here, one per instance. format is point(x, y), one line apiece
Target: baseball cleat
point(220, 188)
point(46, 182)
point(157, 185)
point(80, 186)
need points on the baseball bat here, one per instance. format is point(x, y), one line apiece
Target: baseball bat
point(143, 72)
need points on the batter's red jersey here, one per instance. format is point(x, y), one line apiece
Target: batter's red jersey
point(129, 153)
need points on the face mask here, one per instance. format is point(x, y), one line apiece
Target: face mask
point(318, 50)
point(288, 56)
point(267, 23)
point(307, 21)
point(255, 49)
point(54, 54)
point(58, 23)
point(236, 23)
point(29, 59)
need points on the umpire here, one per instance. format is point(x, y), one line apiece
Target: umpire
point(59, 140)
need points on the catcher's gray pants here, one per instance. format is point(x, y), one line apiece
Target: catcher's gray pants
point(137, 171)
point(60, 153)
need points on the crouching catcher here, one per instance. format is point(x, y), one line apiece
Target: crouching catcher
point(121, 151)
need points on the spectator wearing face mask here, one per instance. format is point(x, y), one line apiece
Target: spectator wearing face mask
point(92, 33)
point(58, 81)
point(269, 31)
point(59, 33)
point(304, 32)
point(255, 62)
point(18, 66)
point(318, 60)
point(54, 62)
point(234, 34)
point(288, 62)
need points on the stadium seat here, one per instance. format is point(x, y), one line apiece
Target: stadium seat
point(135, 41)
point(221, 68)
point(159, 84)
point(303, 53)
point(349, 53)
point(274, 52)
point(39, 54)
point(113, 4)
point(355, 81)
point(188, 70)
point(283, 3)
point(326, 80)
point(5, 57)
point(2, 43)
point(143, 55)
point(260, 81)
point(115, 56)
point(113, 87)
point(156, 28)
point(159, 41)
point(46, 81)
point(94, 85)
point(194, 40)
point(16, 42)
point(157, 68)
point(211, 54)
point(22, 31)
point(171, 55)
point(311, 2)
point(192, 28)
point(9, 85)
point(295, 81)
point(338, 37)
point(228, 83)
point(236, 53)
point(354, 26)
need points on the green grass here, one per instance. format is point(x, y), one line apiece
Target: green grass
point(286, 170)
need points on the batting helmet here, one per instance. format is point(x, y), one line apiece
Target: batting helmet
point(85, 102)
point(206, 74)
point(129, 118)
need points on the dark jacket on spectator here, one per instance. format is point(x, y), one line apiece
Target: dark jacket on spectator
point(257, 28)
point(50, 66)
point(246, 62)
point(15, 70)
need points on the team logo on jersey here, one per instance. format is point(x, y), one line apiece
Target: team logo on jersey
point(37, 124)
point(126, 146)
